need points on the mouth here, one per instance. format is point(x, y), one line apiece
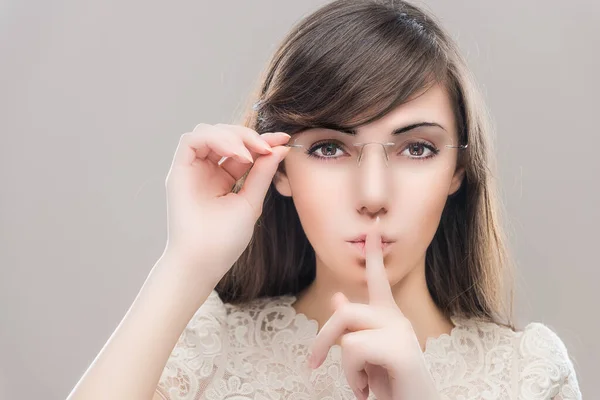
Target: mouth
point(363, 237)
point(359, 245)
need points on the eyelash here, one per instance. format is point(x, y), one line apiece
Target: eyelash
point(310, 152)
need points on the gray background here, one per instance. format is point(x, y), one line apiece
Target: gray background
point(94, 97)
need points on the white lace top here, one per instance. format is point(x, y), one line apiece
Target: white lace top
point(259, 351)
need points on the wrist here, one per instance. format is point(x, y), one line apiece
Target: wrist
point(185, 275)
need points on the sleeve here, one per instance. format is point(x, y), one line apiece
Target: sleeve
point(546, 371)
point(198, 354)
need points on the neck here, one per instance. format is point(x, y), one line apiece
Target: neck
point(411, 295)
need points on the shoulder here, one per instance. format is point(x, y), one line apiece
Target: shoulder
point(539, 341)
point(535, 359)
point(540, 345)
point(535, 341)
point(545, 364)
point(539, 359)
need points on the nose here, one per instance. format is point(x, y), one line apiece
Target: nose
point(373, 188)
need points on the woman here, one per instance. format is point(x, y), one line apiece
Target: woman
point(359, 253)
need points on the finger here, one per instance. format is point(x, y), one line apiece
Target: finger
point(249, 137)
point(355, 353)
point(242, 154)
point(242, 142)
point(193, 145)
point(275, 138)
point(349, 317)
point(338, 300)
point(232, 141)
point(364, 355)
point(260, 177)
point(354, 369)
point(237, 169)
point(254, 140)
point(380, 291)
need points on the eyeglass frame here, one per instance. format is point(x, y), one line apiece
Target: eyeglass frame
point(383, 145)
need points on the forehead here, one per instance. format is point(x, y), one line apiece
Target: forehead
point(432, 105)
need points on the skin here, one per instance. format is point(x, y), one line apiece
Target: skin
point(335, 206)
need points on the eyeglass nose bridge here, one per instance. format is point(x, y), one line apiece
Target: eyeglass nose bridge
point(384, 147)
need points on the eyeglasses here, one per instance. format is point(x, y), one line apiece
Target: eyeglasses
point(423, 150)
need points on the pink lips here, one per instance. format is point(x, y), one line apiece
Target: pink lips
point(359, 246)
point(363, 237)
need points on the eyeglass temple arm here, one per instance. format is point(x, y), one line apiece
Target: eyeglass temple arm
point(460, 146)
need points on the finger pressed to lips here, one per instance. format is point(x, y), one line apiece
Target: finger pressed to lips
point(356, 316)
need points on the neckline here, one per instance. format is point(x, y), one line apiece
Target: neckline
point(430, 343)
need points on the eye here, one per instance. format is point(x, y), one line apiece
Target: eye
point(327, 149)
point(420, 150)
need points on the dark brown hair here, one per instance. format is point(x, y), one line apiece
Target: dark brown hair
point(350, 63)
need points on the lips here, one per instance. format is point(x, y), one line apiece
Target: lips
point(363, 237)
point(358, 243)
point(361, 244)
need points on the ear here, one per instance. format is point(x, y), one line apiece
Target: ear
point(282, 184)
point(457, 179)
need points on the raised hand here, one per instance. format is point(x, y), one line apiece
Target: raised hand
point(208, 224)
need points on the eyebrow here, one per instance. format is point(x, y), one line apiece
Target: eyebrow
point(395, 132)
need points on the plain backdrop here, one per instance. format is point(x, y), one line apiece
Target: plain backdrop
point(95, 94)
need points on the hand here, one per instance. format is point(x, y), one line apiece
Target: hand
point(208, 224)
point(380, 350)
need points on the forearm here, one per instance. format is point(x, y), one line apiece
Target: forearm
point(131, 362)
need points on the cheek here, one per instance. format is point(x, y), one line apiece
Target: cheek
point(318, 203)
point(417, 210)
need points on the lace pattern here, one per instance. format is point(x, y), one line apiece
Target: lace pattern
point(259, 350)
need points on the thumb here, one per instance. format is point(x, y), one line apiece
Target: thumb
point(261, 175)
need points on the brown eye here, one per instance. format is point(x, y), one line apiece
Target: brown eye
point(331, 150)
point(328, 149)
point(416, 149)
point(419, 151)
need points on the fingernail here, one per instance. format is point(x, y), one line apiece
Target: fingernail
point(247, 156)
point(267, 147)
point(283, 133)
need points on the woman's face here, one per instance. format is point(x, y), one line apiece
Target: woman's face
point(337, 199)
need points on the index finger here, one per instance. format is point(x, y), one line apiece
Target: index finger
point(237, 169)
point(380, 291)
